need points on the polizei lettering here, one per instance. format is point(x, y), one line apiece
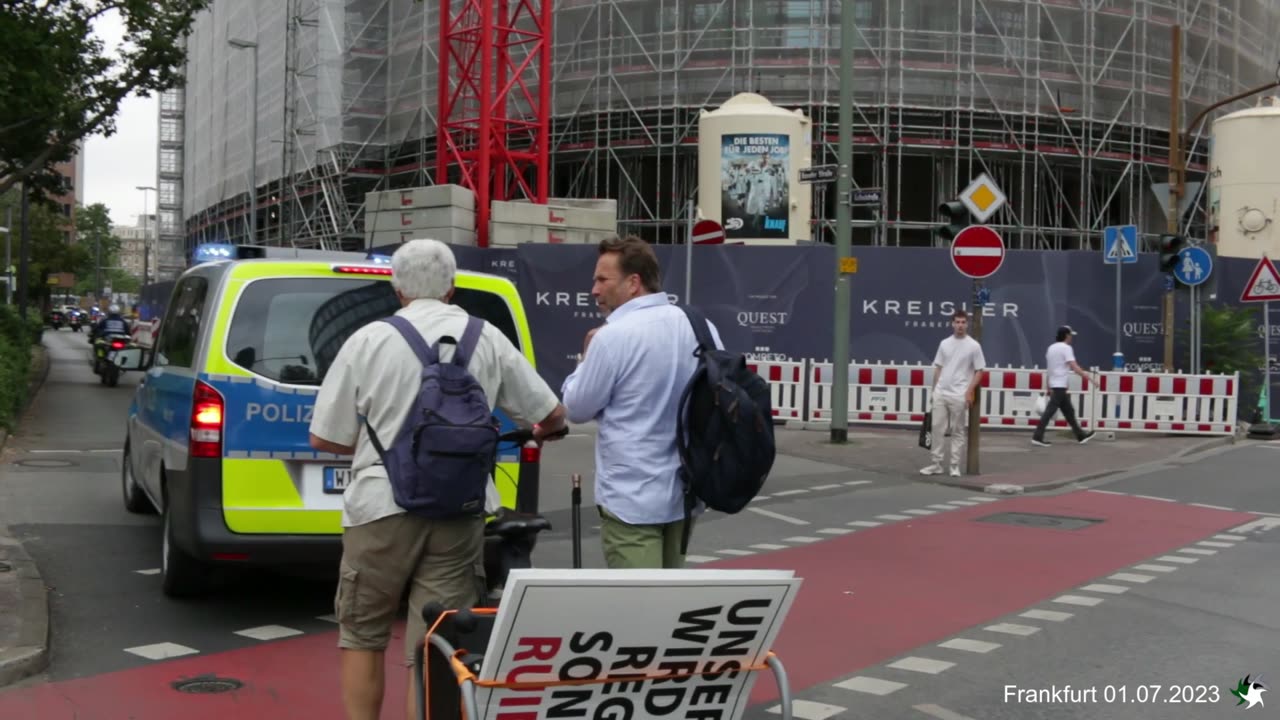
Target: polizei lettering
point(277, 413)
point(921, 308)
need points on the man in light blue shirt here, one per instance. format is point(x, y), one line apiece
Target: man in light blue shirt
point(629, 379)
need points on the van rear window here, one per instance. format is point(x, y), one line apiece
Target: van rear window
point(290, 329)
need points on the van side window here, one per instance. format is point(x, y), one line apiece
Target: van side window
point(491, 307)
point(180, 329)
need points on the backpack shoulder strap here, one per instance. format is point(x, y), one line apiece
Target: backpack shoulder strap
point(700, 329)
point(426, 354)
point(470, 338)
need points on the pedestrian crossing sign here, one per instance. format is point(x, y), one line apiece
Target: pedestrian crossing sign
point(1120, 244)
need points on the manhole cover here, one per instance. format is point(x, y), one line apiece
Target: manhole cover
point(207, 685)
point(1040, 520)
point(45, 463)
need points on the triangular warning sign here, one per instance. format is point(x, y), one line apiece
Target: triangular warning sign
point(1264, 283)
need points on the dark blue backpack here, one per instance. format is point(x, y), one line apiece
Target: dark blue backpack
point(440, 460)
point(724, 429)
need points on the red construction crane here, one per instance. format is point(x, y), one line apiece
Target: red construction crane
point(494, 120)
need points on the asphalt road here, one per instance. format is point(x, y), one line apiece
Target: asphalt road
point(894, 571)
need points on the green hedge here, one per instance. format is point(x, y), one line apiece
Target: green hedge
point(16, 339)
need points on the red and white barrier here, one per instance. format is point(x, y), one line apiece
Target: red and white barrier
point(882, 394)
point(786, 385)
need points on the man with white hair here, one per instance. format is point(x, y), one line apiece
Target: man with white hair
point(376, 376)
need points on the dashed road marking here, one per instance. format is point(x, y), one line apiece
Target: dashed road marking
point(1156, 497)
point(1155, 568)
point(852, 483)
point(1108, 492)
point(1177, 559)
point(699, 559)
point(1050, 615)
point(920, 512)
point(739, 553)
point(870, 685)
point(1078, 600)
point(865, 523)
point(161, 651)
point(922, 665)
point(802, 539)
point(791, 492)
point(1104, 588)
point(940, 712)
point(962, 503)
point(1132, 577)
point(836, 531)
point(149, 571)
point(1233, 538)
point(826, 487)
point(778, 516)
point(942, 507)
point(1013, 629)
point(1197, 551)
point(328, 618)
point(809, 710)
point(893, 517)
point(769, 546)
point(977, 498)
point(760, 498)
point(1213, 507)
point(1211, 543)
point(268, 632)
point(967, 645)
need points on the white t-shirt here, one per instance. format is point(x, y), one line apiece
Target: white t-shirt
point(376, 375)
point(959, 359)
point(1056, 359)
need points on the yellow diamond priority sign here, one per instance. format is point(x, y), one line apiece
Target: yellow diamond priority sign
point(983, 197)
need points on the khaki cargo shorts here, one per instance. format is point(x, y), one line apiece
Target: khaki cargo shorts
point(442, 559)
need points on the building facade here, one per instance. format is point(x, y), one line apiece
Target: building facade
point(134, 241)
point(1066, 105)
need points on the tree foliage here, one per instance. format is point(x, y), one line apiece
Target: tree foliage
point(50, 251)
point(59, 83)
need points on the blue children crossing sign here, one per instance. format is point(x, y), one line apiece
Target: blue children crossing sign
point(1120, 244)
point(1194, 265)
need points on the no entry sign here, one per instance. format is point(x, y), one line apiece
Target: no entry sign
point(707, 232)
point(977, 251)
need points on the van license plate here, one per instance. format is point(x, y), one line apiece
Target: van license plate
point(336, 479)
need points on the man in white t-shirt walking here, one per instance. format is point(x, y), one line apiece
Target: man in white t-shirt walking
point(957, 374)
point(1060, 361)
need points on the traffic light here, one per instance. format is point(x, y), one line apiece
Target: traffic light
point(957, 218)
point(1169, 247)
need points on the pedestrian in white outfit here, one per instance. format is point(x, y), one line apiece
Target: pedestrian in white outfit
point(957, 374)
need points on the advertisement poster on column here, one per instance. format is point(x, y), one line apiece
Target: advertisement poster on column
point(755, 195)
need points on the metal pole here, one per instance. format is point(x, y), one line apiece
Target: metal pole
point(844, 234)
point(688, 257)
point(1175, 177)
point(975, 410)
point(1266, 344)
point(1119, 257)
point(97, 267)
point(8, 255)
point(24, 247)
point(253, 158)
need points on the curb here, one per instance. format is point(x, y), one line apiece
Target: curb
point(31, 656)
point(998, 488)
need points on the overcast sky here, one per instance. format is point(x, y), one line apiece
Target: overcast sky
point(115, 166)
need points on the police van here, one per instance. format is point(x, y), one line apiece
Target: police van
point(218, 431)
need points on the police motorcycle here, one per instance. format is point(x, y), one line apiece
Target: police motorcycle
point(75, 320)
point(106, 346)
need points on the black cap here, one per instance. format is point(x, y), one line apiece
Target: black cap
point(1064, 331)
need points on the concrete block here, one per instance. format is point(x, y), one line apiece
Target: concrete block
point(421, 197)
point(414, 218)
point(452, 236)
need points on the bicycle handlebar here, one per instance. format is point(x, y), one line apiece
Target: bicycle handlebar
point(524, 435)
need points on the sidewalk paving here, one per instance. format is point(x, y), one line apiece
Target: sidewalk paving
point(24, 599)
point(1007, 463)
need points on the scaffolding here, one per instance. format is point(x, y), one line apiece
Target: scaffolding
point(1064, 103)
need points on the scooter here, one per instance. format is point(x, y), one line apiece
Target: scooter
point(103, 361)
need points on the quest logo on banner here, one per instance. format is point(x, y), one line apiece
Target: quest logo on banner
point(623, 637)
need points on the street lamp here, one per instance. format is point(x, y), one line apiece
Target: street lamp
point(253, 139)
point(146, 243)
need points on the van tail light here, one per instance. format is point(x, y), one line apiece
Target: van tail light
point(530, 453)
point(206, 422)
point(362, 270)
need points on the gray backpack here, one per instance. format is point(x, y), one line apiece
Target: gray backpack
point(440, 460)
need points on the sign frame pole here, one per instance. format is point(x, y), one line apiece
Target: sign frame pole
point(975, 410)
point(1118, 358)
point(844, 237)
point(1266, 345)
point(688, 256)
